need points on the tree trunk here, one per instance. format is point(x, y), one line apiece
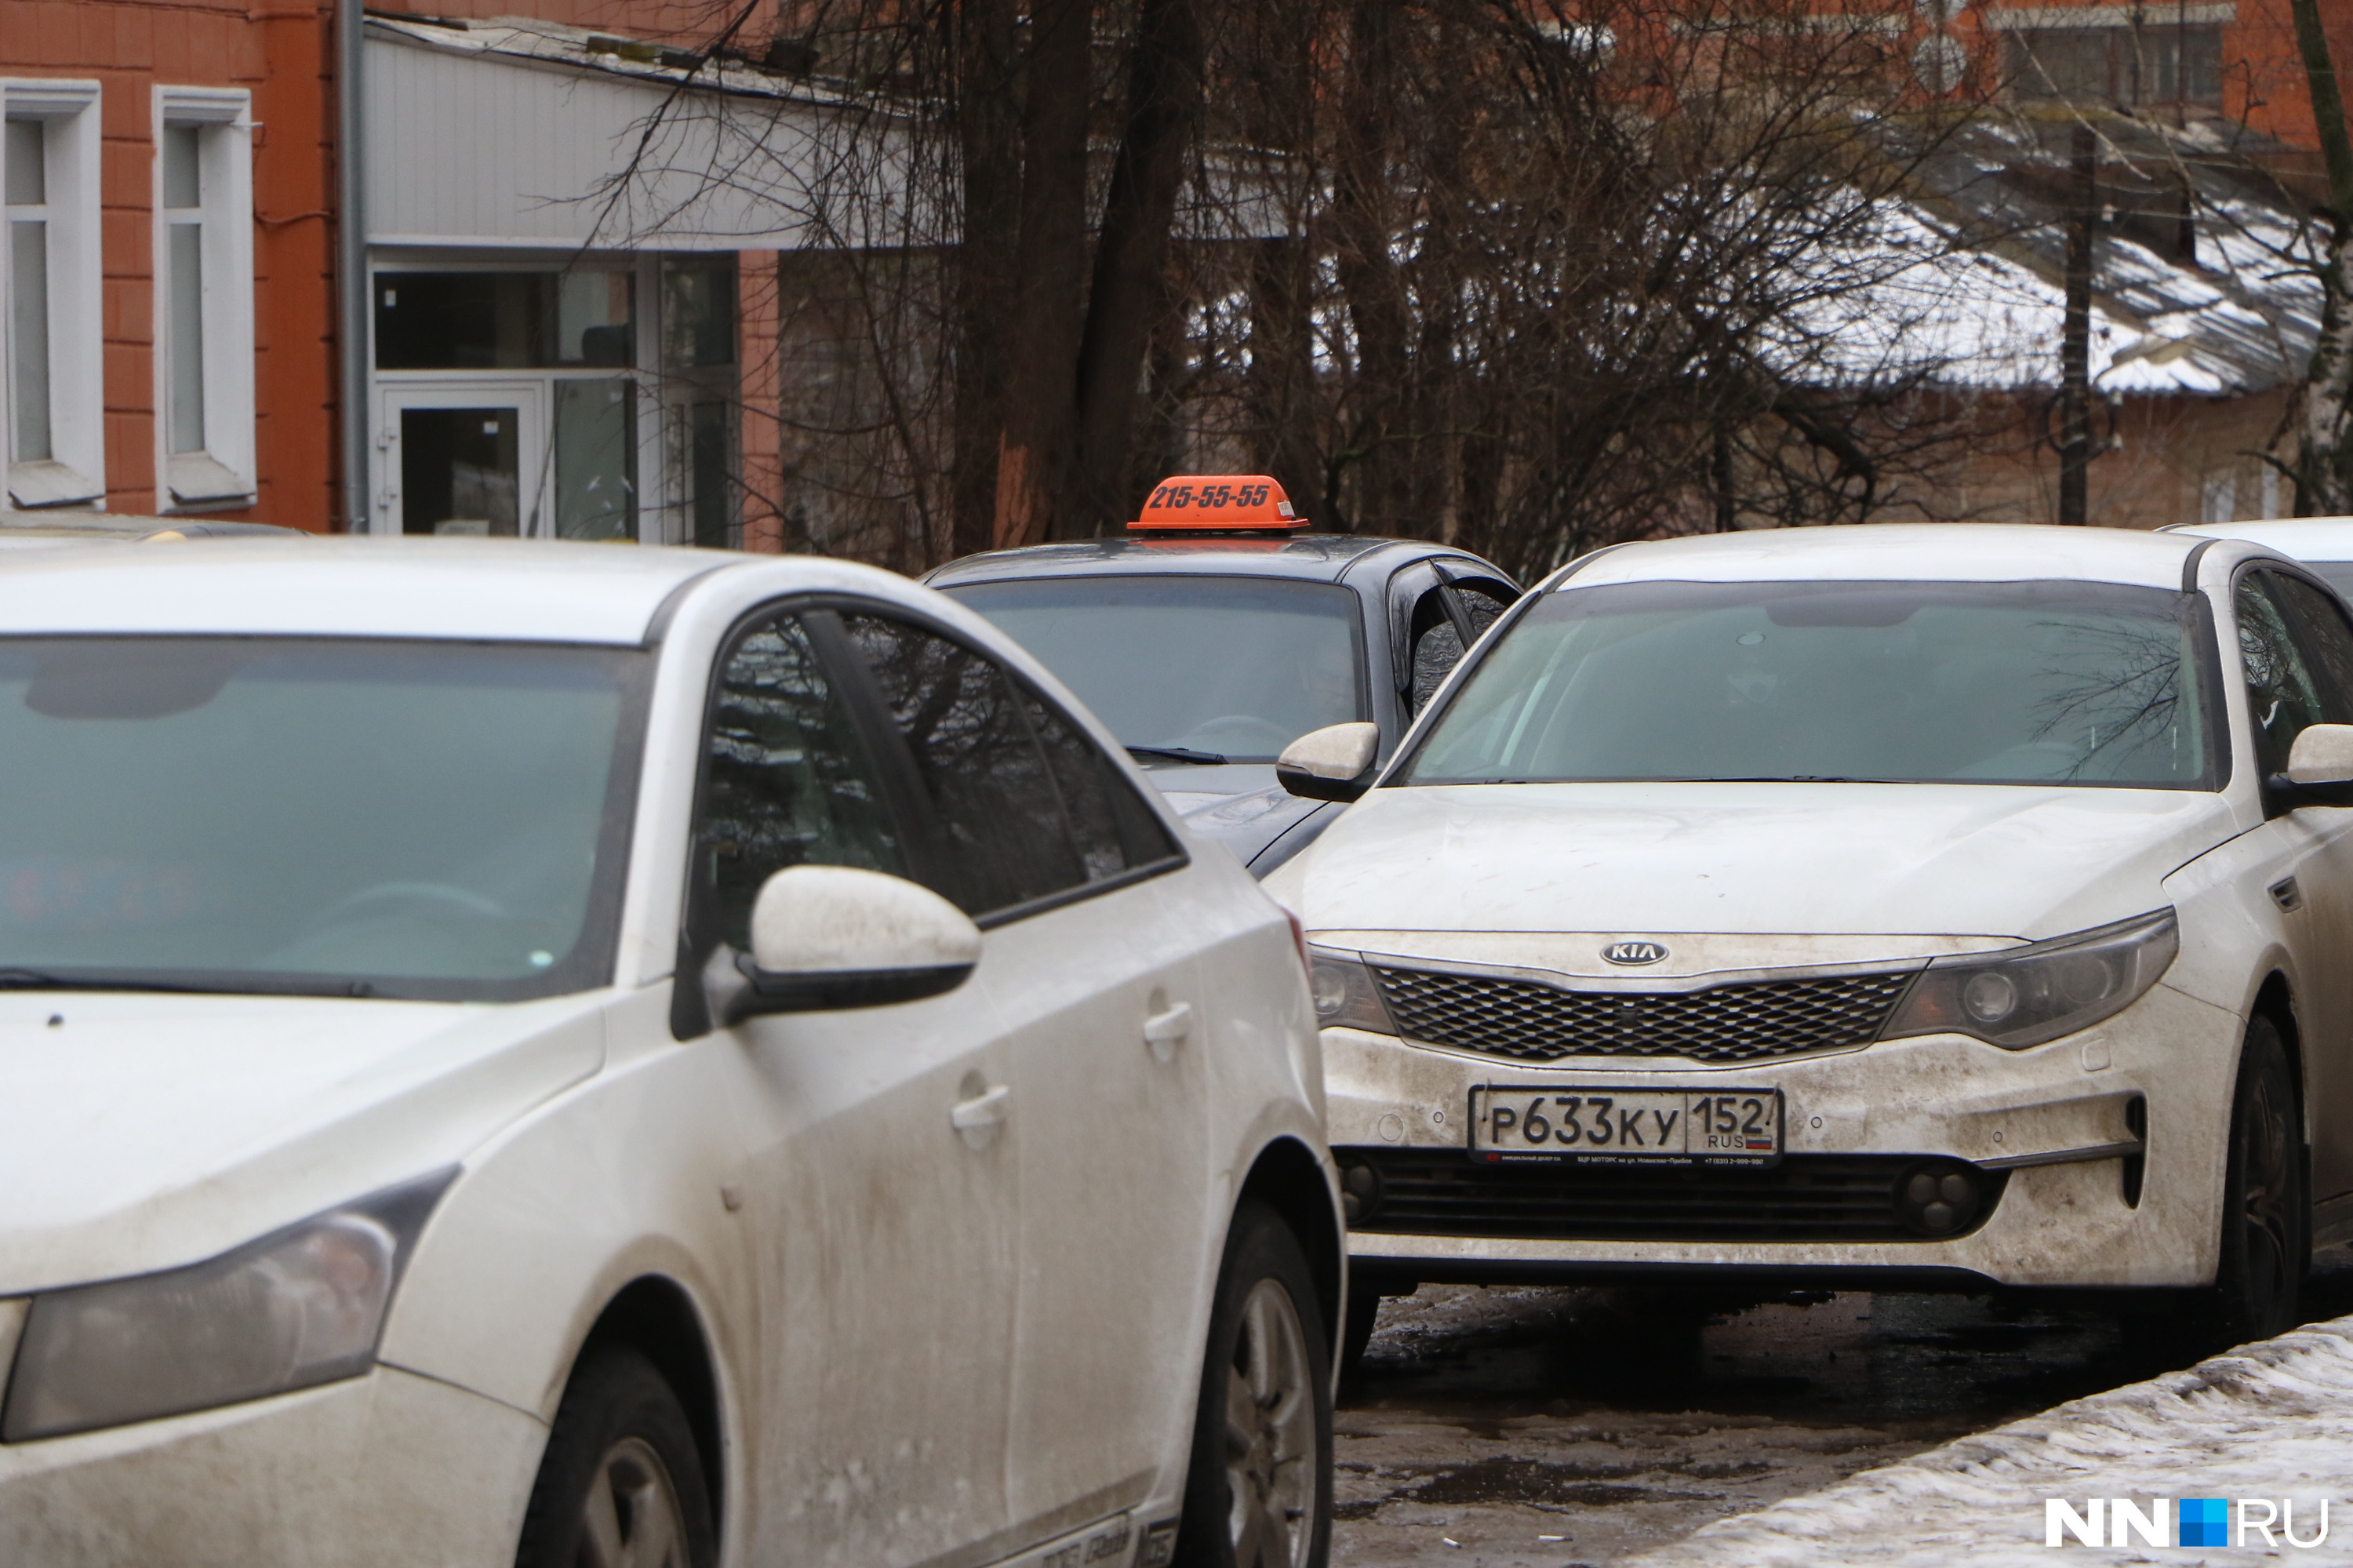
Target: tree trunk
point(988, 134)
point(2324, 463)
point(1366, 230)
point(1282, 386)
point(1042, 340)
point(1129, 291)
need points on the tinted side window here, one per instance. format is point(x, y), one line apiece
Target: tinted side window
point(1114, 830)
point(1002, 837)
point(1436, 647)
point(2281, 695)
point(788, 782)
point(2319, 624)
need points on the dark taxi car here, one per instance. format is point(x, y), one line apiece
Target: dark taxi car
point(1217, 632)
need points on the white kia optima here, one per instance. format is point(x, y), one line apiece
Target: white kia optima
point(1936, 907)
point(552, 1054)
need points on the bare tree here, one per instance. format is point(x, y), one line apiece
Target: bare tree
point(2324, 462)
point(1525, 274)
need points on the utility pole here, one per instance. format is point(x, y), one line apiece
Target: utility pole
point(2075, 338)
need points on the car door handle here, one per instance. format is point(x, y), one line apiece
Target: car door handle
point(1164, 1032)
point(982, 1111)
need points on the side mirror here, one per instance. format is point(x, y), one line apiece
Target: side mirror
point(2319, 769)
point(831, 937)
point(1335, 763)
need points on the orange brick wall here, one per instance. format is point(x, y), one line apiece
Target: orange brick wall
point(282, 51)
point(2262, 72)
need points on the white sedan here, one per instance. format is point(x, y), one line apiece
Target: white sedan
point(2324, 545)
point(1928, 907)
point(559, 1055)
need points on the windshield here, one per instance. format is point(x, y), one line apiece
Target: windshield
point(2044, 682)
point(329, 815)
point(1232, 668)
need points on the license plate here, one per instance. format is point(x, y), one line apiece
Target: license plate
point(1624, 1126)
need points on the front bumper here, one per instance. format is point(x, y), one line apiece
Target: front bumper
point(2050, 1128)
point(389, 1471)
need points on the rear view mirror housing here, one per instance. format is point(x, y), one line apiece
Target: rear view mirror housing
point(1335, 763)
point(2319, 771)
point(825, 937)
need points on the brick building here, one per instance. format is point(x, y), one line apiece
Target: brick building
point(201, 220)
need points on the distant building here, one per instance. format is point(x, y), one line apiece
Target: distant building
point(231, 288)
point(292, 263)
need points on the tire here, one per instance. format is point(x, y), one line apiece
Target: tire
point(621, 1484)
point(1258, 1491)
point(2266, 1214)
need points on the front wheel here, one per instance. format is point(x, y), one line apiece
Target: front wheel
point(2266, 1215)
point(1258, 1493)
point(621, 1484)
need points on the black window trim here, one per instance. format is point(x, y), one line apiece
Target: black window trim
point(886, 749)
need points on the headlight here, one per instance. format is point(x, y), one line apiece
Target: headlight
point(302, 1306)
point(1346, 996)
point(2026, 996)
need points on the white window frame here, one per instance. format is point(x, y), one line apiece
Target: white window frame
point(220, 476)
point(74, 473)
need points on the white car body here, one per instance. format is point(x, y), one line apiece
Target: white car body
point(902, 1342)
point(1746, 881)
point(2324, 544)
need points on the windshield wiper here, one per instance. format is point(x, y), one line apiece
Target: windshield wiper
point(13, 978)
point(1177, 754)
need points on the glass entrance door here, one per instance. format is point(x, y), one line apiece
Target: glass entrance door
point(461, 460)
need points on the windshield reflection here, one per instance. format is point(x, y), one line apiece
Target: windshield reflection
point(312, 815)
point(2045, 682)
point(1233, 669)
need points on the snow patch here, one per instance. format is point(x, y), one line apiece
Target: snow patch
point(2272, 1419)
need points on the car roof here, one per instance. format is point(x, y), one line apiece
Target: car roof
point(494, 590)
point(2299, 538)
point(48, 529)
point(1897, 552)
point(1313, 557)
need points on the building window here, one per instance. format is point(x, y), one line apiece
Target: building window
point(204, 297)
point(698, 393)
point(49, 315)
point(2158, 62)
point(509, 401)
point(506, 320)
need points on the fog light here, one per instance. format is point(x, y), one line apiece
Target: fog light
point(1938, 1199)
point(1360, 1191)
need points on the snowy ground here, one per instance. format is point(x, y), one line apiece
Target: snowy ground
point(2269, 1420)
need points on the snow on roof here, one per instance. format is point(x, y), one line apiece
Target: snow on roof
point(613, 54)
point(2201, 283)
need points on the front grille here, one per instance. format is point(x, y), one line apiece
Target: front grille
point(1531, 1021)
point(1806, 1198)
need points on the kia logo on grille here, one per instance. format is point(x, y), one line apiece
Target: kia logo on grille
point(1633, 952)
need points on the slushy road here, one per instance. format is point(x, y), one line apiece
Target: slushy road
point(1537, 1428)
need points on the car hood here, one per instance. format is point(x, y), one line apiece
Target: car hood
point(140, 1132)
point(1240, 805)
point(1868, 860)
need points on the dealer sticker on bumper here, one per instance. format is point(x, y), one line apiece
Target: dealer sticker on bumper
point(1624, 1126)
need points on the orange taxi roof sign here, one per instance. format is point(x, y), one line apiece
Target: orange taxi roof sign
point(1191, 502)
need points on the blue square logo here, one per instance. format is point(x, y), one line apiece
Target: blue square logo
point(2205, 1521)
